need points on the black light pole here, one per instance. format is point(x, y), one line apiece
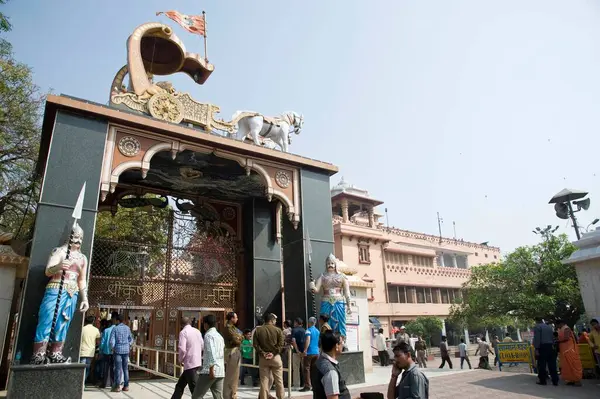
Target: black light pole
point(574, 219)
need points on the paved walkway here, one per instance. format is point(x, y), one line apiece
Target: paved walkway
point(155, 389)
point(444, 384)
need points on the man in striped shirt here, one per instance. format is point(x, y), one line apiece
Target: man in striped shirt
point(212, 373)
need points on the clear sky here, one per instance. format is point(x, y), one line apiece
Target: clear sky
point(481, 110)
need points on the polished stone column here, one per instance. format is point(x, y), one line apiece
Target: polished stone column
point(454, 263)
point(75, 156)
point(371, 217)
point(442, 263)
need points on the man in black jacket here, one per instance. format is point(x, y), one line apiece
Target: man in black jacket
point(327, 382)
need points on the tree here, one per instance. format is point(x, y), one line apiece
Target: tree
point(20, 114)
point(530, 282)
point(425, 326)
point(415, 328)
point(5, 25)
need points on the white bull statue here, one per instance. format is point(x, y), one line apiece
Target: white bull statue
point(269, 130)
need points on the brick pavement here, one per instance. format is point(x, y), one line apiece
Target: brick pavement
point(494, 385)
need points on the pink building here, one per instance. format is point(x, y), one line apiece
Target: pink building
point(415, 274)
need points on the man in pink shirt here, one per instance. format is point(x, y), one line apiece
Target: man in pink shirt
point(190, 356)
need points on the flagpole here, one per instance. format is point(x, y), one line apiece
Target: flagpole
point(205, 53)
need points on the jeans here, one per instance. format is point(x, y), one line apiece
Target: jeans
point(462, 361)
point(108, 371)
point(189, 378)
point(87, 361)
point(121, 369)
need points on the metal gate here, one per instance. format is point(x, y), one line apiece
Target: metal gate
point(155, 265)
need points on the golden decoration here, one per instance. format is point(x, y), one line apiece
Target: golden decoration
point(166, 107)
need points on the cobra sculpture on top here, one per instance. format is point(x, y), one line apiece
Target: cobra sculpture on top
point(154, 50)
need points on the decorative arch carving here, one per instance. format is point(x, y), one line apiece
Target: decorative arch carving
point(289, 196)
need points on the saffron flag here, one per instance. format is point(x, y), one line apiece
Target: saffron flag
point(192, 23)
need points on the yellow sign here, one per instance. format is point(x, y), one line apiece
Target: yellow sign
point(586, 356)
point(514, 352)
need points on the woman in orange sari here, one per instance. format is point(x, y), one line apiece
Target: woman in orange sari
point(570, 363)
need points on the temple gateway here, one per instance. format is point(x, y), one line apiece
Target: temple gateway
point(181, 217)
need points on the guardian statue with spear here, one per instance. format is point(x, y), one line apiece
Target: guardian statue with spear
point(67, 269)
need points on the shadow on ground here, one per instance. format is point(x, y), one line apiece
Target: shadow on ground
point(524, 384)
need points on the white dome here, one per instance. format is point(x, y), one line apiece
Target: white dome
point(344, 187)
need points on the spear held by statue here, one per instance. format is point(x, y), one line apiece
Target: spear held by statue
point(66, 268)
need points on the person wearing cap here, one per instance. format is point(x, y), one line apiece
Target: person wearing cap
point(402, 336)
point(311, 352)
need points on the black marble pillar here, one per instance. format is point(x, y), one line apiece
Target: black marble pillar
point(316, 220)
point(75, 156)
point(266, 259)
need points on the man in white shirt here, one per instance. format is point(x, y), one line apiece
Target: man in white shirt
point(402, 336)
point(212, 373)
point(384, 358)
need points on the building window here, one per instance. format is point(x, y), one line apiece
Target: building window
point(486, 255)
point(495, 257)
point(445, 298)
point(402, 294)
point(476, 253)
point(420, 294)
point(393, 293)
point(410, 294)
point(363, 254)
point(428, 296)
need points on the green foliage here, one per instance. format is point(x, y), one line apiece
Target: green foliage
point(415, 328)
point(425, 326)
point(132, 243)
point(530, 282)
point(20, 110)
point(135, 225)
point(5, 25)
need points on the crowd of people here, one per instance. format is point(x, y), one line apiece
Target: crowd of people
point(113, 341)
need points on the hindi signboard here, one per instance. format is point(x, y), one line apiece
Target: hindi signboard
point(515, 352)
point(352, 338)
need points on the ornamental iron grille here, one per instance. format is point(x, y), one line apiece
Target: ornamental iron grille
point(162, 259)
